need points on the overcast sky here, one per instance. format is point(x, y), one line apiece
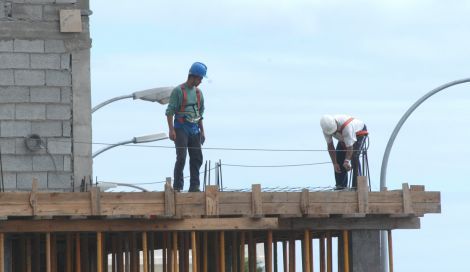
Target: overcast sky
point(274, 68)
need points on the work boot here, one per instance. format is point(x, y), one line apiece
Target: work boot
point(194, 189)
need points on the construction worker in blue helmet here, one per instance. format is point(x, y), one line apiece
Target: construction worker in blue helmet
point(184, 115)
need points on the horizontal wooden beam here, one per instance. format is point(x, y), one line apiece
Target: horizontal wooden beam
point(374, 223)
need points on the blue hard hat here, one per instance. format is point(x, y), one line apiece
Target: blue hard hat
point(198, 69)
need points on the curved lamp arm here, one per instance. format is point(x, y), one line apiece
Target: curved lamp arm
point(135, 140)
point(383, 170)
point(97, 107)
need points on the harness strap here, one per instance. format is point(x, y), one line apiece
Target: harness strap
point(358, 134)
point(345, 124)
point(185, 100)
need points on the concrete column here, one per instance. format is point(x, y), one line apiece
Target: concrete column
point(365, 250)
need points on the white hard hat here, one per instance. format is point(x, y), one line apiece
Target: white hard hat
point(328, 124)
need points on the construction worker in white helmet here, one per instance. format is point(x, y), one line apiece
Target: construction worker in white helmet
point(350, 133)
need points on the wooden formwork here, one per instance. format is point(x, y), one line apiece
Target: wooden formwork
point(204, 231)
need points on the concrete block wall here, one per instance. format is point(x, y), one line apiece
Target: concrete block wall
point(44, 90)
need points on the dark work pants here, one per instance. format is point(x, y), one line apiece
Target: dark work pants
point(342, 178)
point(184, 144)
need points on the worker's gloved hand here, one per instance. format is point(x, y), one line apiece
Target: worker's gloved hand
point(337, 168)
point(203, 137)
point(347, 165)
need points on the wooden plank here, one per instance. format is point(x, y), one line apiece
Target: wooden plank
point(374, 223)
point(170, 209)
point(306, 251)
point(145, 252)
point(95, 201)
point(304, 202)
point(417, 188)
point(222, 250)
point(329, 252)
point(407, 203)
point(362, 195)
point(212, 200)
point(78, 266)
point(256, 201)
point(69, 253)
point(33, 200)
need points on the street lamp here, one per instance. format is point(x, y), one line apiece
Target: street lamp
point(160, 95)
point(105, 185)
point(135, 140)
point(383, 170)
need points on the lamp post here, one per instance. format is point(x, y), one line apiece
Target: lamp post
point(135, 140)
point(160, 95)
point(383, 170)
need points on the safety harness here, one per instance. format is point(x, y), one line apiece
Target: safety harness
point(185, 100)
point(358, 134)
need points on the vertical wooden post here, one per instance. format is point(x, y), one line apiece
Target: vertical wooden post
point(222, 250)
point(165, 251)
point(194, 251)
point(78, 267)
point(269, 257)
point(48, 252)
point(205, 250)
point(2, 252)
point(329, 249)
point(235, 252)
point(251, 253)
point(28, 255)
point(307, 250)
point(145, 252)
point(346, 250)
point(99, 252)
point(285, 261)
point(120, 252)
point(321, 241)
point(275, 267)
point(69, 252)
point(390, 251)
point(37, 252)
point(152, 247)
point(242, 251)
point(175, 252)
point(291, 253)
point(54, 252)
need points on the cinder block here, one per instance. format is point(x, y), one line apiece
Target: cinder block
point(59, 112)
point(38, 1)
point(28, 12)
point(47, 128)
point(45, 61)
point(7, 146)
point(7, 111)
point(6, 45)
point(65, 60)
point(14, 60)
point(9, 181)
point(15, 128)
point(2, 10)
point(60, 181)
point(66, 129)
point(24, 181)
point(59, 146)
point(66, 95)
point(58, 78)
point(51, 13)
point(29, 46)
point(18, 163)
point(30, 112)
point(54, 46)
point(30, 78)
point(45, 94)
point(6, 77)
point(46, 163)
point(13, 94)
point(67, 163)
point(66, 1)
